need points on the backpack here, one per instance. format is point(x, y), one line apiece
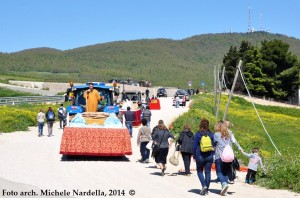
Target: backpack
point(61, 112)
point(50, 115)
point(205, 143)
point(227, 154)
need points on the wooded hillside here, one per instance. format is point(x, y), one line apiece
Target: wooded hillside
point(164, 62)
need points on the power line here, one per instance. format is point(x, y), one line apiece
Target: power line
point(242, 76)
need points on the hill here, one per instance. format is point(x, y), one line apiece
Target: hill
point(162, 61)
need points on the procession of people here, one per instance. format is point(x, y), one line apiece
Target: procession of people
point(201, 148)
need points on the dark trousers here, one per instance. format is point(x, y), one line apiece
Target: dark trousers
point(61, 122)
point(250, 177)
point(144, 151)
point(231, 172)
point(187, 161)
point(129, 127)
point(204, 163)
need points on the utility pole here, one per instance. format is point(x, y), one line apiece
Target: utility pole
point(232, 89)
point(220, 90)
point(215, 88)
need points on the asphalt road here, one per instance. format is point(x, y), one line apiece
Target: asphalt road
point(33, 164)
point(28, 90)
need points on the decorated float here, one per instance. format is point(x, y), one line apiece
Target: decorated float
point(94, 133)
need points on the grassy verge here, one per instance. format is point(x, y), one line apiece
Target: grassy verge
point(281, 123)
point(20, 117)
point(10, 93)
point(4, 78)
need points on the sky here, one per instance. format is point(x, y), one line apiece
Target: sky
point(68, 24)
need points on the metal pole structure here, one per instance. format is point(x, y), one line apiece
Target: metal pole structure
point(215, 88)
point(220, 90)
point(232, 89)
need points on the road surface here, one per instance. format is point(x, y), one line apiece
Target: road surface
point(33, 164)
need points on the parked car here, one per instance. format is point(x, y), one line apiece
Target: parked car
point(162, 92)
point(183, 92)
point(133, 96)
point(180, 100)
point(191, 91)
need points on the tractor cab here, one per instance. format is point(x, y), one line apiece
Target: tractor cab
point(79, 102)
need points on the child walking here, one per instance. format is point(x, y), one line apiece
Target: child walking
point(254, 160)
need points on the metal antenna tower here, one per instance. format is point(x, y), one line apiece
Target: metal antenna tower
point(249, 19)
point(261, 22)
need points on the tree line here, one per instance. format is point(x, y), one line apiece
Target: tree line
point(270, 70)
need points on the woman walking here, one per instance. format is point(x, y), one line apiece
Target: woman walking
point(203, 153)
point(186, 141)
point(161, 137)
point(222, 138)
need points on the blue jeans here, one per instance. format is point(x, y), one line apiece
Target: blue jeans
point(148, 123)
point(129, 127)
point(144, 151)
point(186, 157)
point(40, 127)
point(204, 162)
point(222, 171)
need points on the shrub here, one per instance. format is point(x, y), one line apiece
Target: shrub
point(283, 173)
point(20, 117)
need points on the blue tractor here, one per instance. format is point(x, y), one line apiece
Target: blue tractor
point(79, 102)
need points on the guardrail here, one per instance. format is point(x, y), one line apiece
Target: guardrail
point(31, 99)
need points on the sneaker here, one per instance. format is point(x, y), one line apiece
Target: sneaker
point(203, 191)
point(224, 189)
point(231, 182)
point(206, 192)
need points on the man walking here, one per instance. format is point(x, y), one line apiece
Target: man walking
point(129, 118)
point(146, 114)
point(62, 116)
point(50, 120)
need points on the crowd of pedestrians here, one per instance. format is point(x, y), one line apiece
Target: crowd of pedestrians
point(49, 118)
point(204, 146)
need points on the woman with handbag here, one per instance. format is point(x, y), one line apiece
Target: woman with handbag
point(143, 138)
point(203, 154)
point(161, 141)
point(186, 140)
point(223, 139)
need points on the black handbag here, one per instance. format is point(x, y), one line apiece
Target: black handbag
point(236, 164)
point(155, 149)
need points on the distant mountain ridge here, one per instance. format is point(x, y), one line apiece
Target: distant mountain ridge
point(163, 61)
